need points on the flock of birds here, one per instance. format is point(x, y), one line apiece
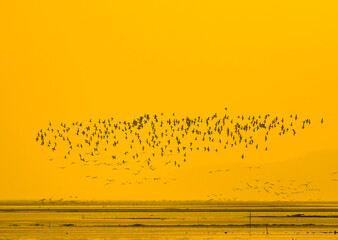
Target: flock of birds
point(280, 189)
point(152, 141)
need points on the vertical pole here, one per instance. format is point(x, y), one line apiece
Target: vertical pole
point(267, 230)
point(250, 223)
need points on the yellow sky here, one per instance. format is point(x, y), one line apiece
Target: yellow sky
point(75, 60)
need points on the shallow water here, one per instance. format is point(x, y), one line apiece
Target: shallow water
point(168, 222)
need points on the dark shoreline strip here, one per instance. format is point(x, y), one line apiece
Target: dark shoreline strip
point(167, 210)
point(214, 225)
point(305, 216)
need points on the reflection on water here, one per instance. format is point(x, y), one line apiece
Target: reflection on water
point(160, 221)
